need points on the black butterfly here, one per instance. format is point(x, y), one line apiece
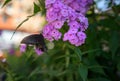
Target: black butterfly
point(37, 40)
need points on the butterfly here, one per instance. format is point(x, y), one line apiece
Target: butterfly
point(36, 40)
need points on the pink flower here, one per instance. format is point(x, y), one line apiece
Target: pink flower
point(38, 51)
point(51, 15)
point(81, 35)
point(23, 47)
point(56, 34)
point(58, 24)
point(73, 24)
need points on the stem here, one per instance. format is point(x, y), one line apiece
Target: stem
point(67, 58)
point(79, 53)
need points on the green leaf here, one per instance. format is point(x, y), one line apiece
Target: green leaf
point(36, 8)
point(114, 43)
point(78, 52)
point(28, 17)
point(42, 6)
point(118, 66)
point(83, 71)
point(103, 79)
point(100, 79)
point(6, 2)
point(96, 67)
point(90, 51)
point(34, 72)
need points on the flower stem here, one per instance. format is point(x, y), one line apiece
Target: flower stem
point(67, 58)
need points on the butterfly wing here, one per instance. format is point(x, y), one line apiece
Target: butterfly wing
point(35, 39)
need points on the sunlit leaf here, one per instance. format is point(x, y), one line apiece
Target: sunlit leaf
point(28, 17)
point(36, 8)
point(6, 2)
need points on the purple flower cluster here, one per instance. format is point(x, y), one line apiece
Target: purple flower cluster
point(70, 11)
